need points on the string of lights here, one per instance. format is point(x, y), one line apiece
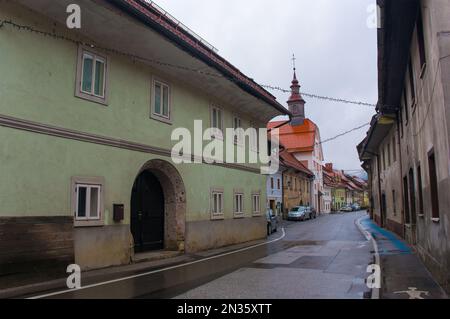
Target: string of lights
point(169, 65)
point(166, 64)
point(343, 134)
point(319, 97)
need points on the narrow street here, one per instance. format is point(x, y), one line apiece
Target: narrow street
point(322, 258)
point(190, 151)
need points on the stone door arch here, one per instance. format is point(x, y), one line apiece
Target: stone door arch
point(174, 202)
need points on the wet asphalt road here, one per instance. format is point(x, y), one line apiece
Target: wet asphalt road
point(322, 258)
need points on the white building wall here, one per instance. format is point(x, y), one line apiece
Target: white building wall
point(315, 164)
point(275, 194)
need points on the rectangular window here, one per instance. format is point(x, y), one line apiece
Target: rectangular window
point(87, 202)
point(161, 105)
point(217, 204)
point(406, 200)
point(271, 183)
point(384, 159)
point(412, 85)
point(217, 121)
point(237, 124)
point(279, 184)
point(394, 203)
point(394, 149)
point(419, 185)
point(433, 186)
point(401, 122)
point(254, 138)
point(238, 204)
point(91, 76)
point(389, 154)
point(256, 204)
point(412, 196)
point(421, 42)
point(405, 101)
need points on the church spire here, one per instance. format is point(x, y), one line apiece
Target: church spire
point(296, 102)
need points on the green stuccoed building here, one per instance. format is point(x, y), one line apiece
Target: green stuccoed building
point(86, 118)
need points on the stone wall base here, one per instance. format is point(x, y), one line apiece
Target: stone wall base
point(205, 235)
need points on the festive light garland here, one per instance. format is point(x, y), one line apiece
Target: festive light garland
point(171, 65)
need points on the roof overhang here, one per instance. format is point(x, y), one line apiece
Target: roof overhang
point(379, 129)
point(398, 18)
point(133, 27)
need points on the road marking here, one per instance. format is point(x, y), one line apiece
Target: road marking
point(413, 293)
point(159, 270)
point(368, 235)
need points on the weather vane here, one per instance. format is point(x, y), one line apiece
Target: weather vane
point(293, 61)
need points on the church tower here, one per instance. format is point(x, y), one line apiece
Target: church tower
point(296, 102)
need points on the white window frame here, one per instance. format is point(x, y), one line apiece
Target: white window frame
point(256, 204)
point(89, 188)
point(96, 56)
point(237, 124)
point(157, 116)
point(218, 131)
point(238, 207)
point(217, 213)
point(254, 139)
point(89, 183)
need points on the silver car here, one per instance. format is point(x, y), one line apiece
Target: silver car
point(299, 213)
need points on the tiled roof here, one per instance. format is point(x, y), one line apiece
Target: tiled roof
point(289, 160)
point(165, 25)
point(299, 138)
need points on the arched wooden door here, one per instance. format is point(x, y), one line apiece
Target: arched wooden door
point(147, 213)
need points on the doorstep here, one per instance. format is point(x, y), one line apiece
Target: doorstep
point(155, 255)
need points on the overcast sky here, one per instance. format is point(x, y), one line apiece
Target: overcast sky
point(336, 55)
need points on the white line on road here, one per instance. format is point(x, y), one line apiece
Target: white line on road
point(159, 270)
point(375, 291)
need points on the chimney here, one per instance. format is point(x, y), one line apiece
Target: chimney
point(329, 167)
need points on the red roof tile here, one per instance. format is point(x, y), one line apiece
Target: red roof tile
point(299, 138)
point(289, 160)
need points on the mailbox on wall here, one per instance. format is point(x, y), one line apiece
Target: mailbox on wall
point(118, 212)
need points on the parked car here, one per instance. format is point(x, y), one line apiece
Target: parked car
point(356, 207)
point(298, 213)
point(347, 209)
point(272, 222)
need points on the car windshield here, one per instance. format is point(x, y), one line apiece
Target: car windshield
point(299, 209)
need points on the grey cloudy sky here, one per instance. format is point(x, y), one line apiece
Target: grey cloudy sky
point(336, 55)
